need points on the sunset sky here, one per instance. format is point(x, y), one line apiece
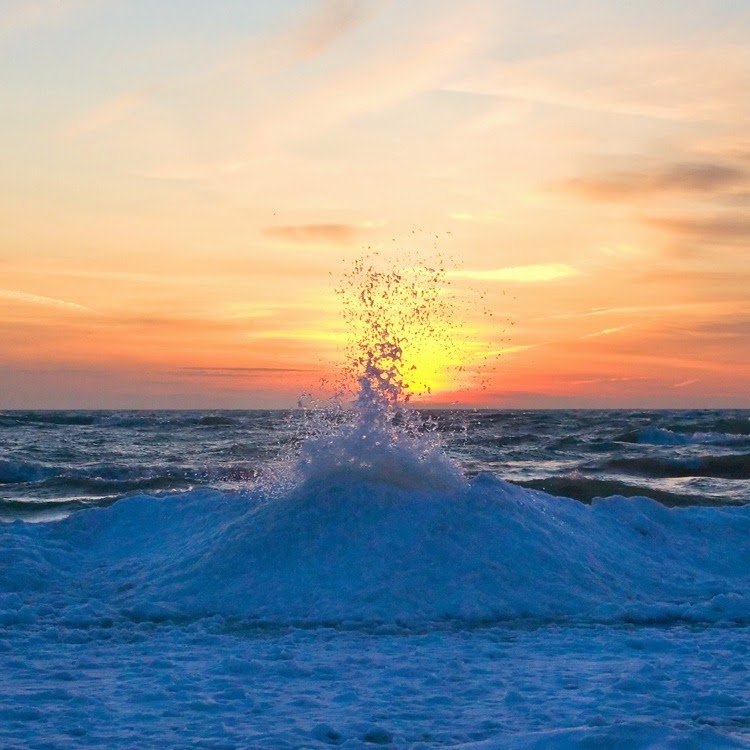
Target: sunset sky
point(184, 182)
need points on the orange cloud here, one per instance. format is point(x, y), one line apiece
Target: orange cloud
point(241, 371)
point(605, 332)
point(314, 233)
point(37, 299)
point(725, 228)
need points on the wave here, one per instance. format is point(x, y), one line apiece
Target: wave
point(134, 419)
point(43, 510)
point(216, 421)
point(663, 436)
point(44, 419)
point(15, 472)
point(349, 551)
point(586, 489)
point(93, 476)
point(736, 466)
point(734, 425)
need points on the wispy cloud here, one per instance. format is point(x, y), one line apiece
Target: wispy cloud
point(698, 177)
point(303, 335)
point(37, 299)
point(685, 383)
point(23, 15)
point(110, 112)
point(242, 371)
point(725, 228)
point(374, 82)
point(330, 21)
point(734, 326)
point(621, 250)
point(520, 274)
point(605, 332)
point(510, 350)
point(591, 381)
point(305, 36)
point(157, 325)
point(679, 307)
point(314, 233)
point(484, 217)
point(656, 80)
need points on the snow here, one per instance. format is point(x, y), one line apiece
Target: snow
point(216, 683)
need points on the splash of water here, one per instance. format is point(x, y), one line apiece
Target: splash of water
point(391, 314)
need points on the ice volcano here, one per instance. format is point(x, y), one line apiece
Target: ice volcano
point(350, 550)
point(375, 525)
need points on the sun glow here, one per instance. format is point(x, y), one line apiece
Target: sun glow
point(440, 364)
point(404, 329)
point(521, 274)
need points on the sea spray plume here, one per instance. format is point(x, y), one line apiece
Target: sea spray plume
point(394, 316)
point(391, 314)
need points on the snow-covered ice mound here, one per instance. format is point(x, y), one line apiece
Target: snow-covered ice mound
point(349, 551)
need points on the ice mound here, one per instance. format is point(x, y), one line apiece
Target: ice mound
point(351, 552)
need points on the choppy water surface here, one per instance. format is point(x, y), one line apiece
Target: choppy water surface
point(55, 462)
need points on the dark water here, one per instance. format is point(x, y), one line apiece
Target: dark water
point(54, 462)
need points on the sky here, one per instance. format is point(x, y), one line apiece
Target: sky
point(183, 183)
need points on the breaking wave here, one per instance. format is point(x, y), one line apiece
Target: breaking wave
point(663, 436)
point(726, 467)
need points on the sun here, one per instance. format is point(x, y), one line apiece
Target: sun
point(404, 330)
